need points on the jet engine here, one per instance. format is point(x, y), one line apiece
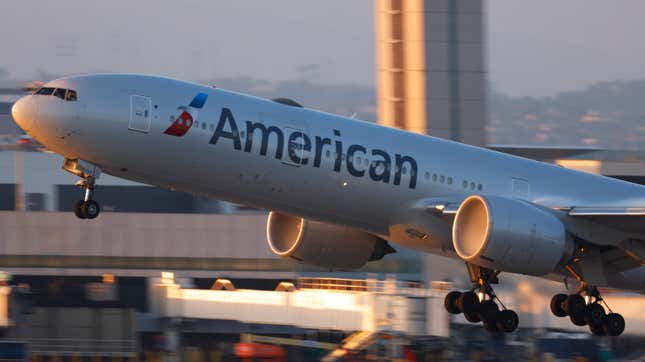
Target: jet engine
point(510, 235)
point(326, 245)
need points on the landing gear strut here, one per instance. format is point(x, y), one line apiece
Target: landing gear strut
point(87, 208)
point(588, 311)
point(484, 309)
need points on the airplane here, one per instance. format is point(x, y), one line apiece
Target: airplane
point(341, 191)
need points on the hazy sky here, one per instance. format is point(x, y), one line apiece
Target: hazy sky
point(535, 47)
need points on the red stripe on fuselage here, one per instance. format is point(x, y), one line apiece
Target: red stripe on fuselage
point(181, 125)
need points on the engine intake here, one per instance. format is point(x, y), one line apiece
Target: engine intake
point(326, 245)
point(510, 235)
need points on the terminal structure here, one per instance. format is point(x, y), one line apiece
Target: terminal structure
point(431, 67)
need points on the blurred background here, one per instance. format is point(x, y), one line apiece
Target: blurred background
point(163, 275)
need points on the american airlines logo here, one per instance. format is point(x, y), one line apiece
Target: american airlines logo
point(185, 120)
point(303, 149)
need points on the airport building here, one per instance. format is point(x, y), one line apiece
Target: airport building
point(431, 71)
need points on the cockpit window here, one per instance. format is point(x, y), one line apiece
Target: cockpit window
point(45, 91)
point(60, 93)
point(71, 95)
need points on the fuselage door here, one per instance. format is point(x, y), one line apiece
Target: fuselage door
point(521, 189)
point(140, 113)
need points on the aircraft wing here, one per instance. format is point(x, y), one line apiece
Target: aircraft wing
point(628, 219)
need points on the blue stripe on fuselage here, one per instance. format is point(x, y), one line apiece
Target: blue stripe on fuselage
point(199, 100)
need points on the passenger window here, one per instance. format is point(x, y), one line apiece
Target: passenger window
point(442, 179)
point(45, 91)
point(71, 95)
point(449, 180)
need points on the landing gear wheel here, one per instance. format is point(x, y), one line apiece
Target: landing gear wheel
point(574, 303)
point(90, 209)
point(597, 329)
point(614, 324)
point(557, 303)
point(468, 302)
point(488, 312)
point(450, 302)
point(576, 307)
point(578, 318)
point(595, 315)
point(472, 317)
point(507, 320)
point(78, 209)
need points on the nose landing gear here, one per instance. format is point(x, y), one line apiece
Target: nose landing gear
point(484, 310)
point(87, 208)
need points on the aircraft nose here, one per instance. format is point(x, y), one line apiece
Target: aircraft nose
point(23, 113)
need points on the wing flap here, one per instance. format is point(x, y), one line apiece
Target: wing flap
point(606, 211)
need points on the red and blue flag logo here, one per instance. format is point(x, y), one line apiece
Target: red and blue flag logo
point(187, 117)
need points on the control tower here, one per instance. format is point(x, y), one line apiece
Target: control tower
point(430, 67)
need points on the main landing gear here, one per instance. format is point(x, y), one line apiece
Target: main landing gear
point(87, 208)
point(588, 311)
point(484, 309)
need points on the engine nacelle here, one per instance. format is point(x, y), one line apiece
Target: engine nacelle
point(326, 245)
point(510, 235)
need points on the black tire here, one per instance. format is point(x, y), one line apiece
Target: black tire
point(472, 317)
point(488, 312)
point(78, 209)
point(614, 324)
point(595, 314)
point(597, 329)
point(507, 321)
point(91, 209)
point(450, 302)
point(574, 303)
point(578, 318)
point(557, 303)
point(468, 302)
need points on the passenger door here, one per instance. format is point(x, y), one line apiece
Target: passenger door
point(521, 189)
point(140, 113)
